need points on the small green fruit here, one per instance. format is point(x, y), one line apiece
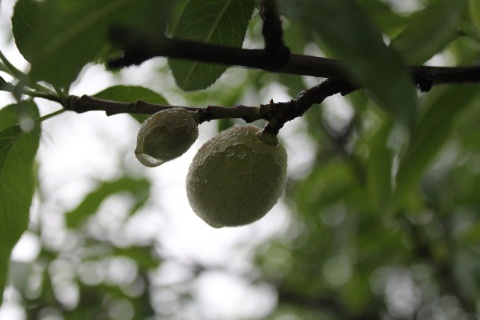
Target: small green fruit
point(165, 135)
point(236, 177)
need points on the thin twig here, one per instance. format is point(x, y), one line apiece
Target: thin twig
point(10, 67)
point(277, 114)
point(50, 115)
point(87, 103)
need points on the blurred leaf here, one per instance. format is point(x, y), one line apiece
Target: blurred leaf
point(223, 124)
point(353, 38)
point(383, 15)
point(17, 181)
point(435, 126)
point(379, 168)
point(472, 234)
point(474, 11)
point(59, 37)
point(329, 182)
point(143, 256)
point(428, 32)
point(139, 189)
point(210, 21)
point(132, 94)
point(357, 295)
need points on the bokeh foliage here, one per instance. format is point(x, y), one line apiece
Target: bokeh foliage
point(384, 218)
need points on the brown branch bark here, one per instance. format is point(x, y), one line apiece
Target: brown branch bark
point(276, 113)
point(87, 103)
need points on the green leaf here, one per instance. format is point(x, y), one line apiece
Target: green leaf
point(17, 180)
point(353, 38)
point(222, 22)
point(6, 86)
point(131, 94)
point(8, 137)
point(138, 188)
point(434, 129)
point(175, 15)
point(59, 37)
point(429, 31)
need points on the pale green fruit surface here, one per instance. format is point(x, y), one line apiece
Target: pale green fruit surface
point(165, 135)
point(236, 178)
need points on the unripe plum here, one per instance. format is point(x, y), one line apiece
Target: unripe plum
point(236, 177)
point(166, 135)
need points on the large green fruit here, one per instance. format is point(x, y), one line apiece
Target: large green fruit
point(166, 135)
point(236, 177)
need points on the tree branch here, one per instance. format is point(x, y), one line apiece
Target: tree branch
point(277, 114)
point(275, 58)
point(273, 33)
point(87, 103)
point(138, 49)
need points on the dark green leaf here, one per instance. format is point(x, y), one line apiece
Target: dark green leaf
point(434, 129)
point(211, 21)
point(3, 83)
point(429, 31)
point(59, 37)
point(353, 38)
point(6, 86)
point(8, 137)
point(175, 16)
point(138, 188)
point(17, 181)
point(132, 94)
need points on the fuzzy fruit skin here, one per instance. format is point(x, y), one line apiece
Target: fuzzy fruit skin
point(165, 136)
point(236, 178)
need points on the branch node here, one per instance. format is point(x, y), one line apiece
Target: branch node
point(70, 103)
point(424, 81)
point(205, 114)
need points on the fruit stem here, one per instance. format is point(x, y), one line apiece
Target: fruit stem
point(267, 136)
